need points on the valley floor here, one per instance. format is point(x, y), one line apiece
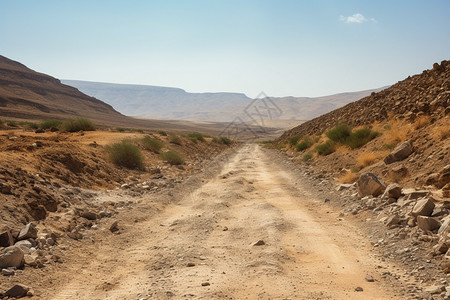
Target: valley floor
point(249, 229)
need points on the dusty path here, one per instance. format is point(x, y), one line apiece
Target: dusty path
point(203, 247)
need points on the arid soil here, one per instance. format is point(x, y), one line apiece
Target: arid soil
point(246, 226)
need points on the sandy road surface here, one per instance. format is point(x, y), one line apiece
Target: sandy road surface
point(203, 246)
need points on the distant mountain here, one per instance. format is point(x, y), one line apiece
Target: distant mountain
point(173, 103)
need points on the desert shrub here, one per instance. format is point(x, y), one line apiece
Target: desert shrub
point(78, 124)
point(215, 140)
point(150, 144)
point(162, 132)
point(348, 177)
point(305, 144)
point(366, 159)
point(294, 140)
point(12, 124)
point(224, 140)
point(441, 132)
point(50, 123)
point(421, 121)
point(326, 148)
point(121, 129)
point(126, 154)
point(32, 125)
point(137, 130)
point(306, 157)
point(196, 136)
point(360, 137)
point(339, 133)
point(175, 139)
point(389, 146)
point(172, 157)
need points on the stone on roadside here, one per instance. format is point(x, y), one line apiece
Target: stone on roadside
point(114, 226)
point(6, 238)
point(427, 223)
point(369, 278)
point(369, 184)
point(17, 291)
point(423, 207)
point(89, 215)
point(259, 243)
point(392, 191)
point(399, 153)
point(29, 231)
point(393, 220)
point(11, 257)
point(359, 289)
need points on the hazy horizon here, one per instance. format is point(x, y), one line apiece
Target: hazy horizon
point(283, 48)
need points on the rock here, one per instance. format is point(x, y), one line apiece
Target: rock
point(392, 191)
point(114, 226)
point(398, 172)
point(11, 257)
point(25, 243)
point(359, 289)
point(39, 130)
point(432, 179)
point(190, 264)
point(8, 272)
point(369, 278)
point(393, 220)
point(369, 184)
point(75, 235)
point(399, 153)
point(444, 177)
point(89, 215)
point(440, 248)
point(6, 238)
point(342, 187)
point(259, 243)
point(423, 207)
point(17, 291)
point(413, 194)
point(206, 283)
point(29, 231)
point(435, 289)
point(439, 211)
point(5, 189)
point(445, 226)
point(370, 203)
point(30, 260)
point(427, 223)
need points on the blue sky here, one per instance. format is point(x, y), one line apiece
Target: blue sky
point(298, 48)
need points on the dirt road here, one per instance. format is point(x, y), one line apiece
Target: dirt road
point(203, 247)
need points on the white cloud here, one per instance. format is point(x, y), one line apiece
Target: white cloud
point(355, 18)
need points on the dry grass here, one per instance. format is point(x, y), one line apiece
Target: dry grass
point(366, 159)
point(421, 121)
point(396, 131)
point(440, 133)
point(348, 177)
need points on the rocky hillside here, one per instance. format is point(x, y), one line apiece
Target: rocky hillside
point(423, 94)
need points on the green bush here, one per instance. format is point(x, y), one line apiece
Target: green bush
point(12, 124)
point(172, 157)
point(162, 132)
point(305, 144)
point(389, 146)
point(215, 140)
point(339, 133)
point(175, 139)
point(126, 154)
point(121, 129)
point(196, 136)
point(326, 148)
point(77, 125)
point(224, 140)
point(50, 123)
point(307, 157)
point(294, 140)
point(360, 137)
point(153, 145)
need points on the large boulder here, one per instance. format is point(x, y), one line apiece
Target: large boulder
point(6, 238)
point(423, 207)
point(400, 153)
point(369, 184)
point(428, 223)
point(11, 257)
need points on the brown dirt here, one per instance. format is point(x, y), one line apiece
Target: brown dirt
point(196, 241)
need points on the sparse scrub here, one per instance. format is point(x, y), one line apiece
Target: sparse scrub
point(294, 140)
point(441, 132)
point(175, 139)
point(305, 144)
point(326, 148)
point(224, 140)
point(12, 124)
point(348, 177)
point(360, 137)
point(50, 123)
point(126, 154)
point(172, 158)
point(121, 129)
point(78, 124)
point(421, 121)
point(196, 136)
point(307, 157)
point(389, 146)
point(162, 132)
point(366, 159)
point(153, 145)
point(215, 140)
point(339, 133)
